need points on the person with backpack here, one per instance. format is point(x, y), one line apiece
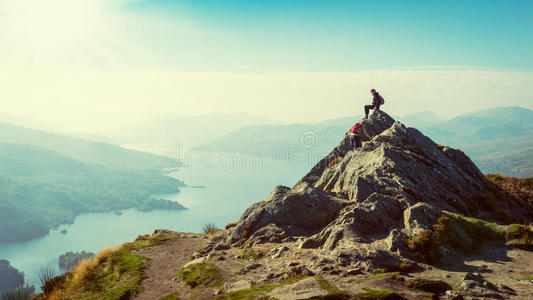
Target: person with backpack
point(355, 134)
point(377, 101)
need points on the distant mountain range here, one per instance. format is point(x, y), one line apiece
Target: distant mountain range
point(499, 140)
point(188, 130)
point(47, 179)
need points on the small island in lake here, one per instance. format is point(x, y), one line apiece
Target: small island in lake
point(69, 260)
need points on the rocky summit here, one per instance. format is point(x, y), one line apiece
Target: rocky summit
point(399, 218)
point(362, 210)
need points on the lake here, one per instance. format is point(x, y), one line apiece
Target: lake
point(220, 187)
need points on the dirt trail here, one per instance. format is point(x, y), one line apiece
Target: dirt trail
point(163, 265)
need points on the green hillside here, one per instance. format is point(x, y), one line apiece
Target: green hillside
point(42, 188)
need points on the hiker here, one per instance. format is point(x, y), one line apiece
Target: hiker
point(355, 134)
point(377, 101)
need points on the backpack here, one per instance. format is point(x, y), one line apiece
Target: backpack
point(381, 100)
point(355, 128)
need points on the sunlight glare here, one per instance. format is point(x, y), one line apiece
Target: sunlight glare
point(52, 19)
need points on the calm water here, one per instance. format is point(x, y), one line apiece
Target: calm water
point(230, 184)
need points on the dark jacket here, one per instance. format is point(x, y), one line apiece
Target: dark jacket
point(376, 102)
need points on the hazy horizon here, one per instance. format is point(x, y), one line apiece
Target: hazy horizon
point(95, 65)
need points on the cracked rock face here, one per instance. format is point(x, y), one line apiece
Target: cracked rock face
point(360, 210)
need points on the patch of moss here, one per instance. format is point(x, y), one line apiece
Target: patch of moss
point(451, 230)
point(248, 254)
point(520, 236)
point(201, 274)
point(438, 287)
point(256, 292)
point(372, 294)
point(333, 291)
point(392, 275)
point(171, 296)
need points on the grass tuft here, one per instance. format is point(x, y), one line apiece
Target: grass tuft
point(209, 228)
point(201, 274)
point(392, 275)
point(248, 254)
point(333, 291)
point(256, 292)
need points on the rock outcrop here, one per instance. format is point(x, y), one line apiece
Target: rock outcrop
point(361, 210)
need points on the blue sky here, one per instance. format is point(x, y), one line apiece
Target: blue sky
point(89, 63)
point(350, 35)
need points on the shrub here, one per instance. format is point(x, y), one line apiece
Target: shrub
point(209, 228)
point(246, 231)
point(46, 276)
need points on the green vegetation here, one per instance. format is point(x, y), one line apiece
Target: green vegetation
point(70, 259)
point(248, 254)
point(372, 294)
point(392, 275)
point(460, 233)
point(520, 236)
point(42, 189)
point(171, 296)
point(254, 293)
point(527, 278)
point(201, 274)
point(114, 273)
point(438, 287)
point(209, 228)
point(333, 291)
point(47, 278)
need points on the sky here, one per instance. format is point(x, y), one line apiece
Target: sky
point(94, 64)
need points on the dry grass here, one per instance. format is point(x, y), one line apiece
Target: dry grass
point(520, 188)
point(114, 273)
